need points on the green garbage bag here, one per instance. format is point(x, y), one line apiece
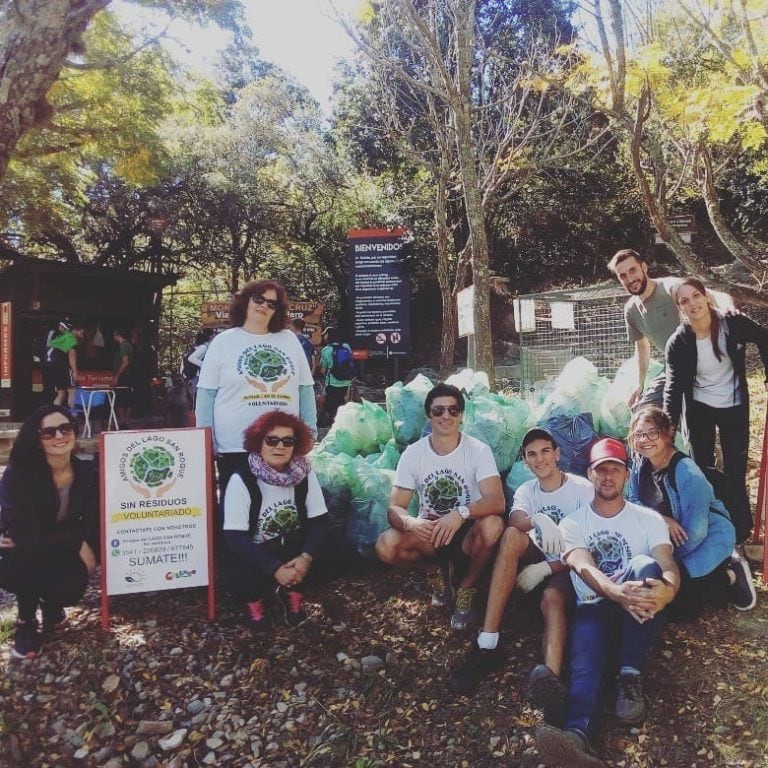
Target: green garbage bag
point(615, 413)
point(500, 422)
point(516, 477)
point(369, 505)
point(578, 389)
point(335, 473)
point(405, 406)
point(472, 383)
point(359, 429)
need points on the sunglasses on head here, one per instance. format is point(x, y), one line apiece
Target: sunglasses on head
point(273, 441)
point(49, 433)
point(271, 303)
point(438, 410)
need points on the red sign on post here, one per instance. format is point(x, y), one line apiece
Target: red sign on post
point(6, 345)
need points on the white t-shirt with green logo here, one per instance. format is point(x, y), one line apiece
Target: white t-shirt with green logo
point(574, 493)
point(612, 541)
point(278, 515)
point(251, 374)
point(445, 482)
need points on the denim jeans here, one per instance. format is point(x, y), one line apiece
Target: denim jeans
point(599, 630)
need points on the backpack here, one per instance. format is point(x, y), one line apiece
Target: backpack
point(343, 367)
point(720, 483)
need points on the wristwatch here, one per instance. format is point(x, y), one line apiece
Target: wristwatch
point(463, 511)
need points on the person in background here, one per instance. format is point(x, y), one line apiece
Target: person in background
point(337, 364)
point(706, 382)
point(193, 362)
point(704, 538)
point(122, 375)
point(297, 326)
point(461, 503)
point(255, 366)
point(49, 518)
point(275, 519)
point(61, 361)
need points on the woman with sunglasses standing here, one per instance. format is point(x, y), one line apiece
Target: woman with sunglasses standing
point(258, 365)
point(706, 377)
point(49, 516)
point(700, 529)
point(275, 519)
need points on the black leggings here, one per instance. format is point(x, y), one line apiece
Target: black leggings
point(53, 583)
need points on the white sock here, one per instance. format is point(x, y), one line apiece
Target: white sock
point(488, 640)
point(629, 671)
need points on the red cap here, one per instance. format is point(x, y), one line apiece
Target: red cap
point(607, 449)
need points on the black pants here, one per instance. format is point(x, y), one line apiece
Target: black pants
point(696, 593)
point(334, 399)
point(703, 422)
point(249, 583)
point(52, 583)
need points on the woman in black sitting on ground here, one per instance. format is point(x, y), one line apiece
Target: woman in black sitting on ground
point(49, 516)
point(275, 518)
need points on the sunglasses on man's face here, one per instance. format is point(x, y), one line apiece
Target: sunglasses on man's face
point(271, 303)
point(49, 433)
point(438, 410)
point(273, 441)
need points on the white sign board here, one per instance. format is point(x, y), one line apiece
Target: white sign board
point(156, 510)
point(465, 308)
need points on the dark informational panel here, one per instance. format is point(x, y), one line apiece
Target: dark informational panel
point(379, 291)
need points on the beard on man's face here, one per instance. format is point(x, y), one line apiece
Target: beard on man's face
point(637, 287)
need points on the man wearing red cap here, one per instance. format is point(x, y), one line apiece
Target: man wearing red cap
point(625, 576)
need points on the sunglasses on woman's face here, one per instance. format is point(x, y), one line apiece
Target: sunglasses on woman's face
point(271, 303)
point(438, 410)
point(273, 441)
point(49, 433)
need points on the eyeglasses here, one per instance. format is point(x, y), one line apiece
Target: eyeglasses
point(49, 433)
point(273, 441)
point(438, 410)
point(651, 434)
point(271, 303)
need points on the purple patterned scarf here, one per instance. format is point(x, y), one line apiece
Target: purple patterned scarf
point(293, 474)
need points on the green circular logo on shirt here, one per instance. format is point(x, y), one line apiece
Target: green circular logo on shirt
point(281, 519)
point(443, 493)
point(265, 364)
point(152, 467)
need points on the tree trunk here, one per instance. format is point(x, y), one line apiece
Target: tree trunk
point(450, 321)
point(464, 11)
point(35, 38)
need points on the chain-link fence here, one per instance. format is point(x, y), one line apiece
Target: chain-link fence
point(556, 326)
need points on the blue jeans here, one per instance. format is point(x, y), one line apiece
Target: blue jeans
point(598, 631)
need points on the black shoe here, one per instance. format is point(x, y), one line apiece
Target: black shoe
point(565, 749)
point(53, 619)
point(547, 693)
point(479, 663)
point(630, 702)
point(292, 602)
point(256, 617)
point(743, 595)
point(26, 640)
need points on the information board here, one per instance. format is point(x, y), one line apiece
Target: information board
point(379, 291)
point(157, 511)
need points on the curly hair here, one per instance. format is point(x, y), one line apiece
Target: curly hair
point(254, 435)
point(444, 390)
point(238, 308)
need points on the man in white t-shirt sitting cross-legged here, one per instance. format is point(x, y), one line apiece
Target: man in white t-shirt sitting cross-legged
point(529, 556)
point(461, 502)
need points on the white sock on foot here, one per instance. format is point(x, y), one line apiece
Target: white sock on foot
point(488, 640)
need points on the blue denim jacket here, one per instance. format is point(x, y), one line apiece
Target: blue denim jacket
point(711, 535)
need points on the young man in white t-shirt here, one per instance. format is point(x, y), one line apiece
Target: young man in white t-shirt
point(461, 501)
point(625, 576)
point(529, 554)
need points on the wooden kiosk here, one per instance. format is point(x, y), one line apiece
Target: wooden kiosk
point(36, 293)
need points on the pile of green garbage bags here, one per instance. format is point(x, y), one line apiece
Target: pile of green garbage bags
point(356, 460)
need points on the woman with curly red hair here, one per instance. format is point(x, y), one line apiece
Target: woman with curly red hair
point(275, 518)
